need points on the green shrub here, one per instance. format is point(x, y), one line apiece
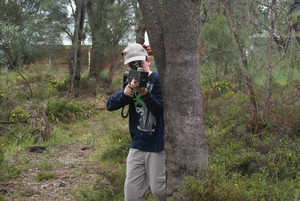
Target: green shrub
point(227, 111)
point(2, 94)
point(282, 161)
point(55, 85)
point(212, 89)
point(215, 187)
point(45, 176)
point(18, 114)
point(109, 186)
point(219, 185)
point(1, 155)
point(8, 171)
point(95, 195)
point(263, 168)
point(119, 146)
point(87, 83)
point(63, 110)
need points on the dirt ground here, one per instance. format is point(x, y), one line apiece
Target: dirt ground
point(69, 165)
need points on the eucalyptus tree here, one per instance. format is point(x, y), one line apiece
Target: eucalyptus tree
point(138, 23)
point(25, 24)
point(218, 59)
point(264, 34)
point(295, 14)
point(78, 37)
point(173, 27)
point(252, 123)
point(108, 21)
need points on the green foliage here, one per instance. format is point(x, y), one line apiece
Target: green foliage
point(18, 114)
point(28, 192)
point(118, 150)
point(212, 89)
point(55, 86)
point(219, 185)
point(104, 74)
point(247, 169)
point(227, 111)
point(25, 25)
point(219, 57)
point(1, 154)
point(95, 195)
point(215, 187)
point(7, 169)
point(45, 176)
point(63, 110)
point(2, 94)
point(248, 166)
point(110, 186)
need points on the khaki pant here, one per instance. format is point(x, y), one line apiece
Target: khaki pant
point(145, 169)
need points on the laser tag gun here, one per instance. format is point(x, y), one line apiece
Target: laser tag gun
point(138, 75)
point(135, 73)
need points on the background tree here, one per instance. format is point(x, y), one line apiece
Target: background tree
point(244, 62)
point(138, 23)
point(25, 24)
point(78, 37)
point(294, 11)
point(173, 28)
point(218, 55)
point(272, 13)
point(108, 21)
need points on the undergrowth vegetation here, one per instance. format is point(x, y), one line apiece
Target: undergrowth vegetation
point(262, 164)
point(243, 165)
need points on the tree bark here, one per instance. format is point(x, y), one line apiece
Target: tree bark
point(153, 19)
point(269, 60)
point(173, 29)
point(296, 25)
point(96, 14)
point(140, 28)
point(140, 33)
point(74, 63)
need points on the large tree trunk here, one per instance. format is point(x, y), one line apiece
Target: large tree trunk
point(175, 43)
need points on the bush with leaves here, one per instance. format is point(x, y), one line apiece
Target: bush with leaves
point(63, 110)
point(120, 146)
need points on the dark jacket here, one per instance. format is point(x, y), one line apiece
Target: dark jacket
point(146, 123)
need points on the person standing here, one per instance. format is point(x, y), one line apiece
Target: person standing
point(145, 166)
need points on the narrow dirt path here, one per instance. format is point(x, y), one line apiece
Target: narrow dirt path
point(68, 165)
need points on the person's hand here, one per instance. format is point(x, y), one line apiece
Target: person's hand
point(129, 91)
point(141, 90)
